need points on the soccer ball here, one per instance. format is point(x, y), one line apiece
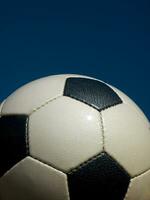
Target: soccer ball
point(72, 137)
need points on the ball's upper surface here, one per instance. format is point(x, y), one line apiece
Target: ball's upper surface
point(72, 137)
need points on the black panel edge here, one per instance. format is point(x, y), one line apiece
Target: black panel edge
point(94, 158)
point(27, 126)
point(26, 136)
point(48, 164)
point(93, 106)
point(86, 181)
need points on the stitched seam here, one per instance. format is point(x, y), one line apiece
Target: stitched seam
point(14, 166)
point(27, 136)
point(94, 158)
point(127, 193)
point(67, 185)
point(93, 106)
point(130, 185)
point(48, 164)
point(82, 101)
point(102, 129)
point(1, 107)
point(141, 174)
point(43, 104)
point(27, 147)
point(110, 106)
point(118, 163)
point(85, 163)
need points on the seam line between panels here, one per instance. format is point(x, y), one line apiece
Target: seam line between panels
point(134, 177)
point(2, 105)
point(67, 185)
point(27, 136)
point(127, 193)
point(48, 164)
point(14, 166)
point(103, 132)
point(28, 130)
point(85, 163)
point(94, 158)
point(91, 105)
point(43, 104)
point(141, 174)
point(80, 100)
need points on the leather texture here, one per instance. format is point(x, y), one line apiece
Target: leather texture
point(92, 92)
point(99, 178)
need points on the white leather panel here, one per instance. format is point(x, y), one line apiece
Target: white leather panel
point(127, 100)
point(127, 137)
point(33, 180)
point(139, 188)
point(34, 94)
point(1, 105)
point(65, 133)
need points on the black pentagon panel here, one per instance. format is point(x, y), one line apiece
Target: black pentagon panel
point(13, 139)
point(91, 92)
point(100, 178)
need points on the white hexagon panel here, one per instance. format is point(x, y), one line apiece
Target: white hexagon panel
point(129, 140)
point(65, 133)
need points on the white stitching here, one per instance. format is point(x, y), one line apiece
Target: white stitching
point(43, 104)
point(27, 136)
point(85, 163)
point(102, 129)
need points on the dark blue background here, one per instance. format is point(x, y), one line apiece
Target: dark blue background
point(109, 40)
